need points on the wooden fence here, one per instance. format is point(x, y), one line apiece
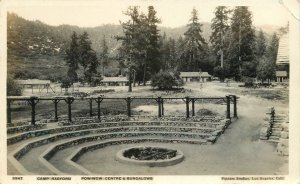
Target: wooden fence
point(33, 100)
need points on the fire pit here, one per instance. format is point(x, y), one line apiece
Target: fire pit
point(150, 156)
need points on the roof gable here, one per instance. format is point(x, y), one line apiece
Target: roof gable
point(194, 74)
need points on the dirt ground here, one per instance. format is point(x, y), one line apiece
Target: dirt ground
point(238, 151)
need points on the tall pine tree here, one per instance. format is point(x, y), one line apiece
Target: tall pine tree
point(194, 42)
point(243, 39)
point(104, 54)
point(140, 43)
point(261, 45)
point(87, 57)
point(72, 58)
point(220, 27)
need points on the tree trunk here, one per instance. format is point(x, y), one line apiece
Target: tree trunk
point(144, 77)
point(134, 73)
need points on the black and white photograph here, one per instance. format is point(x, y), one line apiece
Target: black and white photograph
point(134, 90)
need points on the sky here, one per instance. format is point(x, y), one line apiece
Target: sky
point(173, 13)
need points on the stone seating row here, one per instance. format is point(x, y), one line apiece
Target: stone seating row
point(19, 123)
point(25, 128)
point(205, 138)
point(82, 120)
point(49, 153)
point(102, 144)
point(83, 137)
point(17, 138)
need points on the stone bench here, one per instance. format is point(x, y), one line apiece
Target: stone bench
point(11, 140)
point(25, 128)
point(94, 146)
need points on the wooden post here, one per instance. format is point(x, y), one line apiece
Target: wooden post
point(162, 107)
point(187, 101)
point(128, 100)
point(130, 81)
point(8, 111)
point(99, 100)
point(228, 107)
point(234, 107)
point(33, 101)
point(91, 107)
point(55, 101)
point(159, 106)
point(193, 107)
point(69, 101)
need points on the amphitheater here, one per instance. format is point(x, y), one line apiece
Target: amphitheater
point(88, 145)
point(47, 146)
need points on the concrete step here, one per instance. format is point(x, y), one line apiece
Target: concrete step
point(276, 129)
point(273, 140)
point(273, 137)
point(276, 133)
point(62, 156)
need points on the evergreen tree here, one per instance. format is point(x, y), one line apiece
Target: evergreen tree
point(104, 54)
point(220, 27)
point(266, 69)
point(72, 58)
point(87, 57)
point(243, 38)
point(261, 45)
point(272, 49)
point(181, 54)
point(140, 43)
point(153, 54)
point(84, 49)
point(131, 48)
point(194, 42)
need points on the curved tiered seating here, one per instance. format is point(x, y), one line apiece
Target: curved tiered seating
point(25, 128)
point(108, 133)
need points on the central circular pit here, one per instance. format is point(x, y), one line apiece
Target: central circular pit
point(150, 156)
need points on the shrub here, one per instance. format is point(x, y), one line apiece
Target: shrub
point(66, 82)
point(12, 88)
point(249, 82)
point(166, 80)
point(219, 72)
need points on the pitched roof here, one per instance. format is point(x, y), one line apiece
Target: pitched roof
point(114, 79)
point(281, 74)
point(33, 81)
point(194, 74)
point(283, 50)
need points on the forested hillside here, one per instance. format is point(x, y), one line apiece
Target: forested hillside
point(37, 50)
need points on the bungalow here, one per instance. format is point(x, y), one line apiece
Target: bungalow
point(281, 76)
point(35, 83)
point(283, 59)
point(195, 76)
point(114, 81)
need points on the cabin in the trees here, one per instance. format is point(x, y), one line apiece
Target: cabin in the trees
point(34, 84)
point(282, 76)
point(283, 59)
point(195, 76)
point(114, 81)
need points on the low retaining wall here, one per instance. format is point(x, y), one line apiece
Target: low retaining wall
point(24, 128)
point(222, 124)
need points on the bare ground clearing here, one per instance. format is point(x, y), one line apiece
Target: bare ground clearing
point(237, 151)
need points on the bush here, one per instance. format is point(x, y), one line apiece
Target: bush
point(249, 82)
point(66, 82)
point(12, 88)
point(166, 80)
point(219, 72)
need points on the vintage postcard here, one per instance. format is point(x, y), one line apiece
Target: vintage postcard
point(166, 91)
